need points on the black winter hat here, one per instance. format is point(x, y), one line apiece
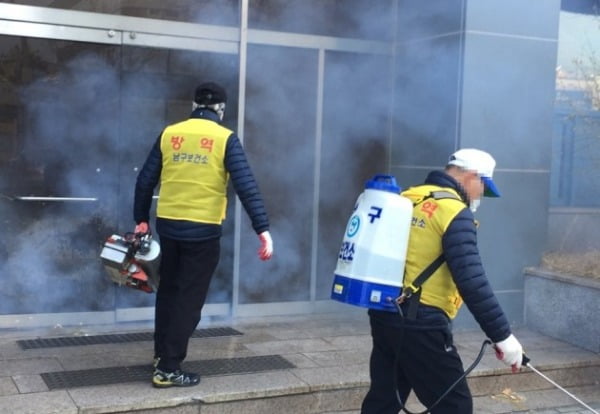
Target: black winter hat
point(210, 93)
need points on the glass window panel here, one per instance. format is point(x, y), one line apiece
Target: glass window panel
point(575, 171)
point(356, 118)
point(359, 19)
point(280, 140)
point(56, 96)
point(157, 89)
point(575, 174)
point(77, 121)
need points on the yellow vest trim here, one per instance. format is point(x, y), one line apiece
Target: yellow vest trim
point(193, 183)
point(430, 221)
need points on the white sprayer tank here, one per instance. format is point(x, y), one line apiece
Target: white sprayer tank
point(371, 261)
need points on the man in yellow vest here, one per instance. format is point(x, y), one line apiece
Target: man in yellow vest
point(415, 351)
point(193, 161)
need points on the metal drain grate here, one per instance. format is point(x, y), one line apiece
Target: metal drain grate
point(115, 338)
point(140, 373)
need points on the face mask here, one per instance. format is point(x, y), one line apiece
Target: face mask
point(220, 108)
point(474, 205)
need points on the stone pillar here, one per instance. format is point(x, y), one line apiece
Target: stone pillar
point(480, 73)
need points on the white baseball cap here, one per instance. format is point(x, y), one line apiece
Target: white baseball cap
point(479, 161)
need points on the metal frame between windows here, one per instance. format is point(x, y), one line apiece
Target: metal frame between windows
point(37, 21)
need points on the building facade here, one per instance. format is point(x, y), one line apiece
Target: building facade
point(323, 93)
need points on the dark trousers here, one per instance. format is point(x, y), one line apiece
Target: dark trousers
point(186, 269)
point(425, 361)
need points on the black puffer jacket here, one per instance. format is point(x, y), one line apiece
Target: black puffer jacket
point(241, 177)
point(461, 253)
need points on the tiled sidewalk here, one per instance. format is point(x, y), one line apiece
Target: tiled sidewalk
point(329, 353)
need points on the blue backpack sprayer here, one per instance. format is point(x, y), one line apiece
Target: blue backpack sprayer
point(370, 265)
point(371, 261)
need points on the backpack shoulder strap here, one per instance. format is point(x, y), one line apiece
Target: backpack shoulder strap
point(413, 293)
point(437, 195)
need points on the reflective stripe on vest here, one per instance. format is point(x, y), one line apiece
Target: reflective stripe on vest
point(193, 183)
point(431, 218)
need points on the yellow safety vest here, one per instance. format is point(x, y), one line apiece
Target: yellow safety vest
point(193, 181)
point(431, 218)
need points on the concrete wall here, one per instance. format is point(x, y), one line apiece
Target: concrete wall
point(560, 306)
point(481, 74)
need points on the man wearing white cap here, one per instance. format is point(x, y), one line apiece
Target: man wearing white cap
point(414, 350)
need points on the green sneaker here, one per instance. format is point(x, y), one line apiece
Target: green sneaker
point(162, 379)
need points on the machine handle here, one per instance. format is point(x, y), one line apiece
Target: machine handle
point(34, 198)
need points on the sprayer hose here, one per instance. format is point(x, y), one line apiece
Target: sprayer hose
point(467, 372)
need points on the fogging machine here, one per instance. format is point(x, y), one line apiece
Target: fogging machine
point(132, 260)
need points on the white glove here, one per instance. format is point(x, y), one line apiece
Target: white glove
point(510, 352)
point(266, 246)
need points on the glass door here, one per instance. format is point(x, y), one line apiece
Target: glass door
point(57, 165)
point(79, 111)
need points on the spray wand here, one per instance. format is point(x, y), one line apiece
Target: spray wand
point(527, 362)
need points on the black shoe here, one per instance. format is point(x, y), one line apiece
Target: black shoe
point(162, 379)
